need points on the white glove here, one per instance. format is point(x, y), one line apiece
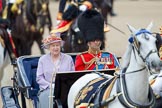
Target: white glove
point(58, 21)
point(83, 8)
point(53, 85)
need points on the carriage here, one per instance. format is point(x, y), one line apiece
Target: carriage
point(24, 83)
point(141, 47)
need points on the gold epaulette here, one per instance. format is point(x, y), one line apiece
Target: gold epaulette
point(19, 1)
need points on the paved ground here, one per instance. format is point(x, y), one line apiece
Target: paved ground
point(138, 13)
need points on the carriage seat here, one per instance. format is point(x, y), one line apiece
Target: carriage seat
point(27, 67)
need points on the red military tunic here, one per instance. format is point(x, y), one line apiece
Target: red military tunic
point(102, 60)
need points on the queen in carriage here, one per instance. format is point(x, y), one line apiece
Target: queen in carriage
point(49, 64)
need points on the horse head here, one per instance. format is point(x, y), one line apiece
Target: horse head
point(144, 43)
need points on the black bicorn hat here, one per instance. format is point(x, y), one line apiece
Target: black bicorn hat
point(91, 24)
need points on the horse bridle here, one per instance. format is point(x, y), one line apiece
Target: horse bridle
point(137, 48)
point(121, 83)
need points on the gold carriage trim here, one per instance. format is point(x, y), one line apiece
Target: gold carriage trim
point(83, 93)
point(84, 105)
point(109, 89)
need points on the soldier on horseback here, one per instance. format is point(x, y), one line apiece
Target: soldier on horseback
point(74, 9)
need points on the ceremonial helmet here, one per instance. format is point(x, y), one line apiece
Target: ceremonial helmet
point(91, 25)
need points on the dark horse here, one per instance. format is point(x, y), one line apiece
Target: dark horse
point(27, 24)
point(74, 39)
point(105, 7)
point(38, 15)
point(21, 36)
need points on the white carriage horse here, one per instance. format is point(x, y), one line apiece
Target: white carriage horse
point(131, 89)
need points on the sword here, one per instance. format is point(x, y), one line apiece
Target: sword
point(116, 29)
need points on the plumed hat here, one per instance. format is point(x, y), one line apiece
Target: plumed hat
point(52, 38)
point(91, 24)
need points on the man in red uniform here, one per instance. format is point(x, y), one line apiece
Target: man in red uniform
point(91, 23)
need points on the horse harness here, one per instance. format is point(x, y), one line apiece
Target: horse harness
point(96, 92)
point(122, 92)
point(134, 41)
point(124, 98)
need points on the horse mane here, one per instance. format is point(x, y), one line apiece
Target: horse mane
point(126, 57)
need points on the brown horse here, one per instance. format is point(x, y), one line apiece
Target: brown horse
point(105, 7)
point(19, 31)
point(38, 16)
point(27, 24)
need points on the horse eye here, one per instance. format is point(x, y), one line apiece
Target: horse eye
point(146, 37)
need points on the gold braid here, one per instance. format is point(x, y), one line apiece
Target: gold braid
point(89, 63)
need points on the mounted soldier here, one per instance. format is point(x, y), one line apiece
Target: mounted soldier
point(75, 7)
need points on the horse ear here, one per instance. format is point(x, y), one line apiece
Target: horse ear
point(132, 29)
point(149, 26)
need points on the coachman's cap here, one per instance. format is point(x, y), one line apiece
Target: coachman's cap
point(52, 38)
point(91, 24)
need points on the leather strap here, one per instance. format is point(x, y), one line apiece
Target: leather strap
point(108, 90)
